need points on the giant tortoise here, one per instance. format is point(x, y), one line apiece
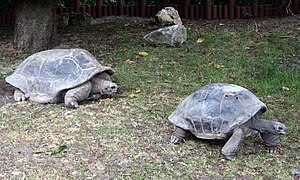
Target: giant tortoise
point(61, 75)
point(220, 111)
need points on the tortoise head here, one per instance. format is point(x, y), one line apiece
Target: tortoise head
point(278, 128)
point(102, 84)
point(108, 87)
point(269, 126)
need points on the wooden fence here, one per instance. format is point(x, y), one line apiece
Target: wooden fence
point(207, 10)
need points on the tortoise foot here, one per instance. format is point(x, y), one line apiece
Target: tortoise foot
point(230, 157)
point(176, 140)
point(19, 95)
point(272, 149)
point(71, 104)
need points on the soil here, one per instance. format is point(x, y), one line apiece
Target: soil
point(258, 25)
point(6, 92)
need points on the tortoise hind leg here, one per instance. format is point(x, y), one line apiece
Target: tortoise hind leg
point(19, 95)
point(75, 95)
point(232, 146)
point(178, 135)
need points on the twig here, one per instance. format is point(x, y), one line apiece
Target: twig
point(256, 29)
point(288, 10)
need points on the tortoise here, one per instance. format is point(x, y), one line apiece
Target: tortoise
point(61, 75)
point(225, 111)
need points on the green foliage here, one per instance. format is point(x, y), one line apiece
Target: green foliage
point(5, 5)
point(66, 3)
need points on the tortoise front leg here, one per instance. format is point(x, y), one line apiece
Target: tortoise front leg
point(232, 146)
point(75, 95)
point(272, 141)
point(19, 95)
point(178, 135)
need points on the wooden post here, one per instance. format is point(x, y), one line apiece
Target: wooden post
point(89, 10)
point(261, 10)
point(83, 9)
point(186, 8)
point(143, 8)
point(121, 4)
point(255, 7)
point(295, 6)
point(243, 12)
point(276, 7)
point(93, 11)
point(231, 5)
point(104, 10)
point(77, 6)
point(99, 4)
point(164, 3)
point(214, 11)
point(147, 11)
point(225, 12)
point(207, 6)
point(268, 10)
point(126, 10)
point(249, 11)
point(109, 10)
point(191, 12)
point(201, 14)
point(237, 12)
point(220, 12)
point(197, 11)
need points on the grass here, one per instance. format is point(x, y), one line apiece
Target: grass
point(127, 137)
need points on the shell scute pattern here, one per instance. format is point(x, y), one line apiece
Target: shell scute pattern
point(215, 110)
point(48, 73)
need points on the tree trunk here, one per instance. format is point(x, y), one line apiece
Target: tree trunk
point(35, 24)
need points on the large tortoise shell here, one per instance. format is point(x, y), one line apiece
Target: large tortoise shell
point(49, 72)
point(215, 110)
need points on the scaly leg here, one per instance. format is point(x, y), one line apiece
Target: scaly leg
point(75, 95)
point(232, 146)
point(178, 135)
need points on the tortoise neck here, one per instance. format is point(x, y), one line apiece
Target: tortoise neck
point(261, 125)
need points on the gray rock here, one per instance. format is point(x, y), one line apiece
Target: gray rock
point(167, 16)
point(172, 35)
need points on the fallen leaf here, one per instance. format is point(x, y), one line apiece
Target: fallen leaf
point(131, 95)
point(280, 151)
point(110, 58)
point(215, 65)
point(199, 40)
point(109, 65)
point(102, 62)
point(108, 99)
point(138, 91)
point(207, 53)
point(142, 53)
point(128, 61)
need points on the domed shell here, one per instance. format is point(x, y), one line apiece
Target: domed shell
point(215, 110)
point(47, 73)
